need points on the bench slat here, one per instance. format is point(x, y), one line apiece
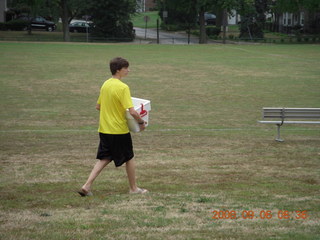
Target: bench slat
point(291, 122)
point(295, 113)
point(293, 116)
point(279, 108)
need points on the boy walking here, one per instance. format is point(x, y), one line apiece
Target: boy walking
point(115, 139)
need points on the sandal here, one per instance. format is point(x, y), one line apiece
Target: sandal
point(139, 191)
point(84, 193)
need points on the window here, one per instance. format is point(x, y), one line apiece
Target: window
point(289, 19)
point(295, 19)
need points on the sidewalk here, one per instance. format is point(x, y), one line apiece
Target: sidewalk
point(150, 36)
point(166, 37)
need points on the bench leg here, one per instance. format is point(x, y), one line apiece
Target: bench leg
point(278, 139)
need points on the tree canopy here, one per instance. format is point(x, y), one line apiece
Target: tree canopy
point(112, 18)
point(191, 12)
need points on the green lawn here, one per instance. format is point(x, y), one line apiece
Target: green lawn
point(204, 151)
point(138, 19)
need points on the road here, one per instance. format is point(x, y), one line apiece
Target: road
point(165, 37)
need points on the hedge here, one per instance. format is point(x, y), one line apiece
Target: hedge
point(14, 25)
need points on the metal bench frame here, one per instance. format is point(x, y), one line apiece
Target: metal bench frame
point(279, 117)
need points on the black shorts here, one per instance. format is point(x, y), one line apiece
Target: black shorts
point(115, 147)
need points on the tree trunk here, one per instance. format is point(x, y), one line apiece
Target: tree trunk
point(225, 25)
point(203, 34)
point(309, 22)
point(65, 21)
point(29, 29)
point(275, 25)
point(219, 18)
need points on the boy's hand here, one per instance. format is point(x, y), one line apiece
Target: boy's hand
point(142, 125)
point(137, 117)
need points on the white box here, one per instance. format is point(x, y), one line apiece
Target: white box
point(143, 107)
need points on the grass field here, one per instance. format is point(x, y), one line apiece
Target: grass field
point(203, 151)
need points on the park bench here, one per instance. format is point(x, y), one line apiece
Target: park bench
point(280, 116)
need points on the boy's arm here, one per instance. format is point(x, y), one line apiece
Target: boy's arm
point(137, 117)
point(98, 107)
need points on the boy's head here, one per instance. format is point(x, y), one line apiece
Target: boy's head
point(117, 64)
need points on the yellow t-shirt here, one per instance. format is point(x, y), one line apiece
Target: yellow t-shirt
point(114, 99)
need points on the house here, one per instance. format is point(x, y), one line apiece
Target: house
point(289, 21)
point(306, 21)
point(150, 5)
point(3, 9)
point(233, 18)
point(146, 5)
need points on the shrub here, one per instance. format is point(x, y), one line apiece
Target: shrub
point(231, 37)
point(17, 25)
point(297, 30)
point(3, 26)
point(213, 31)
point(170, 27)
point(195, 32)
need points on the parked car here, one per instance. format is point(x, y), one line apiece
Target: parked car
point(210, 19)
point(80, 26)
point(81, 20)
point(40, 23)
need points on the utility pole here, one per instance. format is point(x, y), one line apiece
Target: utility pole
point(224, 24)
point(158, 39)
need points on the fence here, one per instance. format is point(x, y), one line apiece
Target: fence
point(168, 40)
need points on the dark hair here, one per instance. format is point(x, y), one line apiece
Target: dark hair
point(117, 64)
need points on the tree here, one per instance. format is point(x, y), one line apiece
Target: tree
point(68, 10)
point(29, 7)
point(186, 13)
point(112, 18)
point(222, 8)
point(253, 17)
point(65, 20)
point(46, 8)
point(191, 12)
point(181, 13)
point(203, 6)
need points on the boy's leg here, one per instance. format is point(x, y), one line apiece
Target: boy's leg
point(131, 173)
point(94, 174)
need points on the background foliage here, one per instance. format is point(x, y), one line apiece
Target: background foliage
point(113, 18)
